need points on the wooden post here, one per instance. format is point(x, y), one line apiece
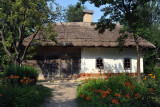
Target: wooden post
point(59, 67)
point(71, 62)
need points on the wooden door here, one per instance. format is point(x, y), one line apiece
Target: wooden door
point(65, 66)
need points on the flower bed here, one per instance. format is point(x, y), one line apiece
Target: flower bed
point(120, 90)
point(18, 88)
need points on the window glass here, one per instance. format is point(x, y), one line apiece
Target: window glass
point(127, 63)
point(99, 63)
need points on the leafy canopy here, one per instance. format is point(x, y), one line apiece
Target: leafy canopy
point(20, 19)
point(74, 13)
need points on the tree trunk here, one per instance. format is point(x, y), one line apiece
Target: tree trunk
point(138, 61)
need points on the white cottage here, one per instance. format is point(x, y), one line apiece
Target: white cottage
point(81, 51)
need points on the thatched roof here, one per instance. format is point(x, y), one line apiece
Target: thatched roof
point(84, 35)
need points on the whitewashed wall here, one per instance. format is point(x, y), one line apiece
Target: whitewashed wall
point(113, 60)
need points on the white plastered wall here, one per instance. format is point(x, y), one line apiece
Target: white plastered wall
point(112, 58)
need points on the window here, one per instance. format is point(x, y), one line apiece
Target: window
point(99, 63)
point(127, 63)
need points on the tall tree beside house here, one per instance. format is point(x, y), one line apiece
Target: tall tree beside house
point(20, 19)
point(74, 13)
point(151, 56)
point(133, 15)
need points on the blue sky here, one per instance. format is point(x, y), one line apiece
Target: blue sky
point(97, 13)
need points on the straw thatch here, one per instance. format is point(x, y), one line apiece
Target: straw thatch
point(84, 35)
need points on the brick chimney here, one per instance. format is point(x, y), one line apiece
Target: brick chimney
point(88, 15)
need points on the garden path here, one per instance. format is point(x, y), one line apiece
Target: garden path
point(64, 93)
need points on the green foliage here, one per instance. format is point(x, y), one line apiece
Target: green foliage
point(16, 74)
point(120, 90)
point(29, 96)
point(75, 13)
point(157, 73)
point(152, 81)
point(150, 56)
point(18, 87)
point(20, 19)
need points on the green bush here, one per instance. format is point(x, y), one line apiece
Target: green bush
point(28, 96)
point(18, 75)
point(120, 90)
point(153, 83)
point(157, 73)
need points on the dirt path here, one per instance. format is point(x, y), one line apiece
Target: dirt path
point(64, 94)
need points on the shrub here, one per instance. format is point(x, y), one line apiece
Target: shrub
point(18, 75)
point(30, 96)
point(120, 90)
point(157, 73)
point(153, 83)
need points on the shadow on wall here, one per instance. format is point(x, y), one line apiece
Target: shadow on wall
point(49, 67)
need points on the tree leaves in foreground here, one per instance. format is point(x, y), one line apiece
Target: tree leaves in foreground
point(134, 15)
point(20, 19)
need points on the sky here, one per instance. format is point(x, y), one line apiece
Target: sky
point(97, 13)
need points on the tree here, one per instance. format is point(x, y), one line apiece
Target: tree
point(20, 19)
point(75, 13)
point(151, 56)
point(133, 15)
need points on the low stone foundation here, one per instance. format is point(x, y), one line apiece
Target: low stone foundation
point(103, 75)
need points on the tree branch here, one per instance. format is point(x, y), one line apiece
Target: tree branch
point(26, 48)
point(3, 43)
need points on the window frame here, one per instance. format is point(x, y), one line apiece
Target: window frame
point(99, 58)
point(130, 60)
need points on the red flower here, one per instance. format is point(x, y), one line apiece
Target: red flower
point(21, 80)
point(88, 98)
point(136, 95)
point(132, 87)
point(127, 84)
point(105, 92)
point(11, 76)
point(0, 78)
point(118, 95)
point(24, 78)
point(109, 90)
point(0, 95)
point(151, 89)
point(82, 95)
point(99, 91)
point(127, 95)
point(6, 77)
point(132, 91)
point(5, 85)
point(17, 77)
point(89, 89)
point(26, 81)
point(114, 101)
point(95, 90)
point(104, 95)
